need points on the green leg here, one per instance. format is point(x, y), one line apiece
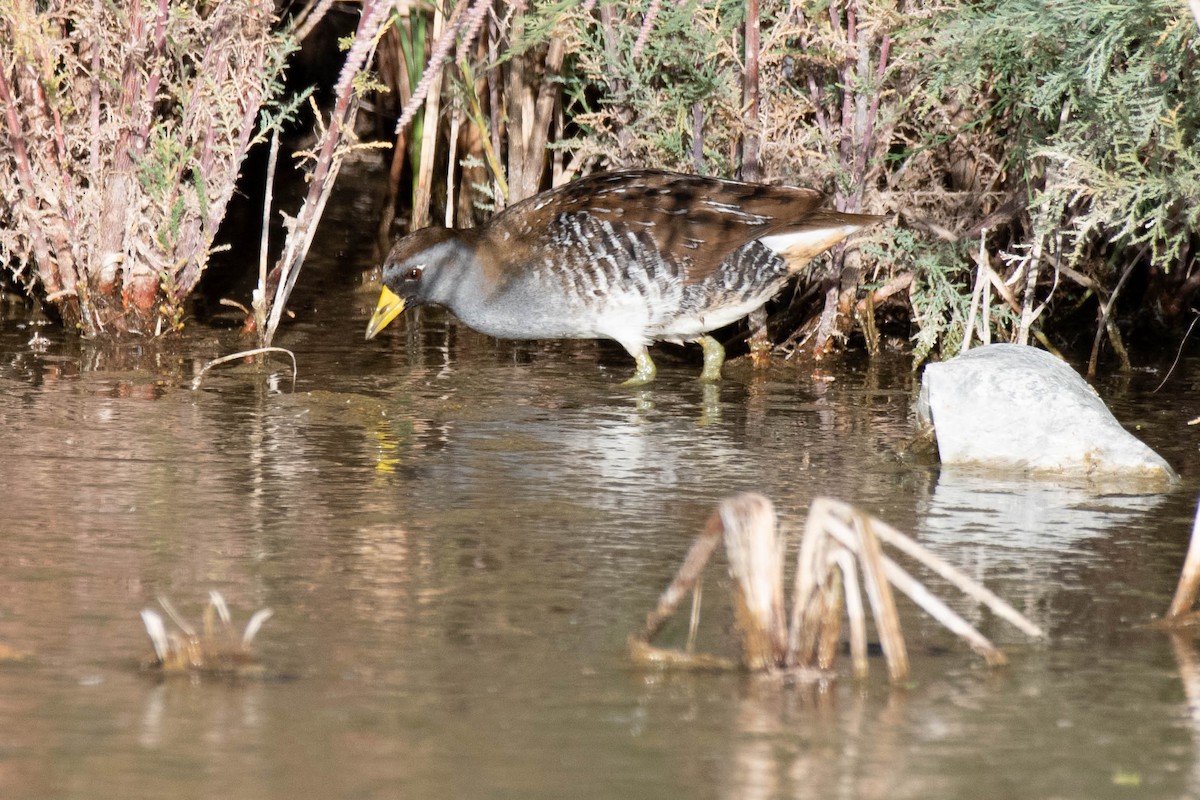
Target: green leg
point(645, 369)
point(714, 357)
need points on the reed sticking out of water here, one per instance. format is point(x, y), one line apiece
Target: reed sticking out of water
point(1181, 612)
point(219, 650)
point(841, 546)
point(335, 141)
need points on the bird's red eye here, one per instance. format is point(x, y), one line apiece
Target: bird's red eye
point(413, 274)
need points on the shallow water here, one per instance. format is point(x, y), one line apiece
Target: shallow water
point(457, 535)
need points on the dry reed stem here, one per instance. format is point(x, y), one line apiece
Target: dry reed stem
point(981, 278)
point(258, 300)
point(1033, 267)
point(956, 577)
point(1106, 325)
point(920, 595)
point(812, 565)
point(685, 577)
point(694, 618)
point(829, 636)
point(531, 98)
point(423, 196)
point(855, 612)
point(755, 555)
point(456, 121)
point(850, 534)
point(879, 594)
point(1189, 578)
point(751, 102)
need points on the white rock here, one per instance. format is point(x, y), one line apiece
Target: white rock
point(1010, 407)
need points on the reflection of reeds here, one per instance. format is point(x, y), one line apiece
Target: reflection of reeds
point(842, 548)
point(217, 650)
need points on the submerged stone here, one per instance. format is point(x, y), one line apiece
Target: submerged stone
point(1011, 407)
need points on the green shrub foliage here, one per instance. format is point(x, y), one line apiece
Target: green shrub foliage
point(1088, 112)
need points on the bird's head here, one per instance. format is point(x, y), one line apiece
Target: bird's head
point(422, 267)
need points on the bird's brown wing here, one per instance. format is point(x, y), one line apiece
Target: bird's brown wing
point(699, 221)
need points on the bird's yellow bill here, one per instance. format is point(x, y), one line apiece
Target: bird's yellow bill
point(389, 307)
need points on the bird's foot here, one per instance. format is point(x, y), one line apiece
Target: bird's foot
point(714, 358)
point(645, 371)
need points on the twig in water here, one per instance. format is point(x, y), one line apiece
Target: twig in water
point(331, 144)
point(1105, 322)
point(1178, 355)
point(199, 379)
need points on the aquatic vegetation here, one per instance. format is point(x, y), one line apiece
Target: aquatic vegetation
point(217, 650)
point(840, 556)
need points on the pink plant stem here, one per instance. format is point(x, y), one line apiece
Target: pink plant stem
point(647, 26)
point(154, 59)
point(433, 69)
point(41, 249)
point(471, 26)
point(94, 143)
point(750, 94)
point(846, 71)
point(885, 49)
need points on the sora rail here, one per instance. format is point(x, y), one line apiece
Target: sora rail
point(638, 256)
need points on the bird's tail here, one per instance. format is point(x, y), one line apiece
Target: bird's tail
point(819, 231)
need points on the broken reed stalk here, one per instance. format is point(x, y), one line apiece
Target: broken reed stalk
point(840, 556)
point(686, 580)
point(752, 135)
point(879, 590)
point(258, 301)
point(1180, 611)
point(423, 191)
point(755, 554)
